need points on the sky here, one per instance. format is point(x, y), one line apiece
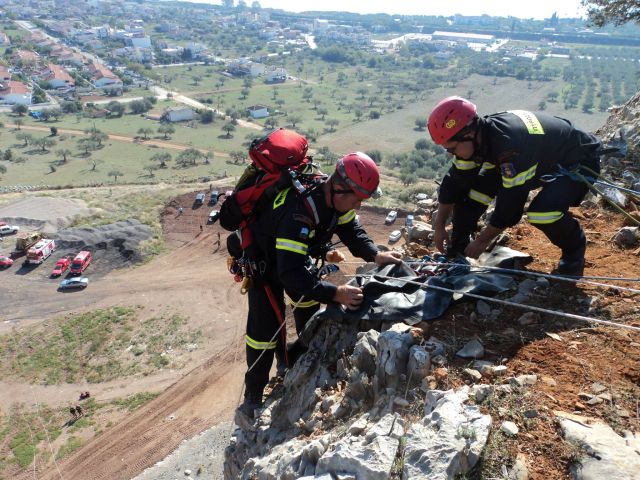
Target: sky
point(538, 9)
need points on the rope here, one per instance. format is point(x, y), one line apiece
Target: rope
point(604, 181)
point(544, 275)
point(607, 199)
point(44, 427)
point(507, 302)
point(567, 278)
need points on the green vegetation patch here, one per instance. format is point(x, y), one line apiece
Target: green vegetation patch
point(95, 346)
point(73, 443)
point(135, 401)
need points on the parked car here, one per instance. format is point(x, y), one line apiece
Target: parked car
point(395, 236)
point(213, 216)
point(409, 221)
point(61, 266)
point(5, 261)
point(199, 199)
point(421, 196)
point(213, 198)
point(8, 229)
point(391, 217)
point(74, 282)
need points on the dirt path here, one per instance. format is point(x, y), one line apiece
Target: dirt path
point(205, 397)
point(121, 138)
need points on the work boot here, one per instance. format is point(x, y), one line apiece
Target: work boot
point(246, 413)
point(572, 268)
point(572, 263)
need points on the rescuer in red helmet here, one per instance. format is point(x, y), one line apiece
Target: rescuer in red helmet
point(286, 238)
point(501, 158)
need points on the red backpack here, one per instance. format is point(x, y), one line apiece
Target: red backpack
point(279, 161)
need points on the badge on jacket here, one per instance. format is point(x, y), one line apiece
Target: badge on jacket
point(508, 170)
point(304, 233)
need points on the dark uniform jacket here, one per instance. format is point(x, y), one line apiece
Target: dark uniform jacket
point(287, 237)
point(517, 148)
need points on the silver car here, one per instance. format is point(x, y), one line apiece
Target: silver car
point(73, 282)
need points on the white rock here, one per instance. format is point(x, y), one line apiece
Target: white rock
point(419, 364)
point(614, 195)
point(519, 470)
point(370, 456)
point(610, 457)
point(473, 349)
point(472, 374)
point(483, 366)
point(509, 428)
point(627, 237)
point(448, 441)
point(500, 370)
point(480, 392)
point(526, 380)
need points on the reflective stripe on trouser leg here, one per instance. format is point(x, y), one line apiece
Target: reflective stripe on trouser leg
point(542, 218)
point(262, 324)
point(553, 201)
point(303, 310)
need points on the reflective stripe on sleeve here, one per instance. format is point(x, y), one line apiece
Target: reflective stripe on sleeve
point(464, 164)
point(542, 218)
point(530, 121)
point(487, 166)
point(519, 179)
point(256, 345)
point(307, 304)
point(347, 217)
point(480, 197)
point(291, 246)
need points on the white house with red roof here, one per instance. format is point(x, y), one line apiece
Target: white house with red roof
point(103, 77)
point(13, 93)
point(58, 77)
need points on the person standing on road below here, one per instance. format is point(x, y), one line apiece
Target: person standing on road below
point(505, 156)
point(287, 239)
point(180, 211)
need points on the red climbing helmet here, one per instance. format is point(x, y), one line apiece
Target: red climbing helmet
point(449, 117)
point(360, 173)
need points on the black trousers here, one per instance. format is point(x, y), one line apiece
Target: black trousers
point(548, 211)
point(265, 317)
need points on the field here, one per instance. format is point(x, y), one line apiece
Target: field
point(30, 165)
point(396, 132)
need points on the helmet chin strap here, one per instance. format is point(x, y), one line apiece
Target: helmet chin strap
point(336, 192)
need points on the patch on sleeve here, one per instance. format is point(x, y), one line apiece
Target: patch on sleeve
point(508, 170)
point(303, 234)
